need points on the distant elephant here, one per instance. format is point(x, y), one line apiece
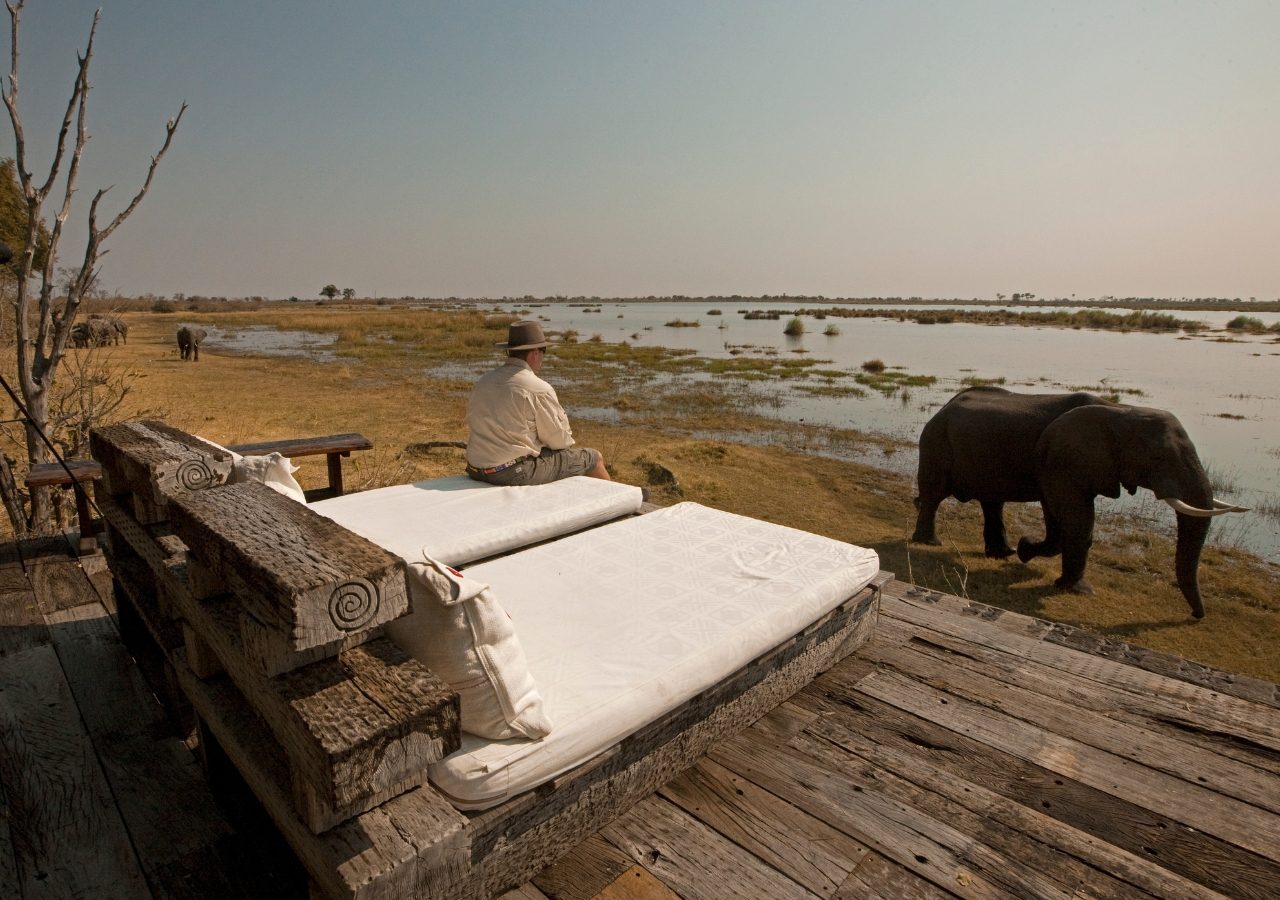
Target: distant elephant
point(189, 338)
point(95, 332)
point(1062, 450)
point(116, 330)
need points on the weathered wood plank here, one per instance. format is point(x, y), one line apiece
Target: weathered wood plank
point(355, 726)
point(1237, 711)
point(806, 850)
point(692, 859)
point(412, 845)
point(1002, 619)
point(637, 883)
point(526, 891)
point(1157, 749)
point(150, 460)
point(165, 803)
point(1231, 683)
point(1175, 668)
point(311, 446)
point(876, 878)
point(584, 871)
point(66, 831)
point(54, 473)
point(21, 623)
point(1075, 858)
point(914, 839)
point(1145, 834)
point(1224, 817)
point(1233, 728)
point(304, 580)
point(8, 861)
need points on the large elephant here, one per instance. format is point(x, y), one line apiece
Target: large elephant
point(1062, 450)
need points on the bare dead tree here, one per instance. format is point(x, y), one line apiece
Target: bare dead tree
point(51, 316)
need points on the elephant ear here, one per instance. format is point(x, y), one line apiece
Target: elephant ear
point(1078, 450)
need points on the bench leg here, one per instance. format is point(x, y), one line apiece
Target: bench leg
point(88, 539)
point(335, 471)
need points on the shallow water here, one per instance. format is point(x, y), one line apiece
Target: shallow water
point(267, 341)
point(1199, 379)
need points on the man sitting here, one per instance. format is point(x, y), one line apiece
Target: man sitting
point(519, 432)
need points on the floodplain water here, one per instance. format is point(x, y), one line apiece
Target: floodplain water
point(1225, 392)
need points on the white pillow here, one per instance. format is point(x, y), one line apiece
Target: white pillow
point(274, 470)
point(458, 630)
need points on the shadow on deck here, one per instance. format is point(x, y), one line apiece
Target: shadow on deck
point(964, 751)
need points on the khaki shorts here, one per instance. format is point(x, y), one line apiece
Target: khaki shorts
point(548, 466)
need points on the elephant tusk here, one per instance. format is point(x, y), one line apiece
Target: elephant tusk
point(1188, 510)
point(1227, 507)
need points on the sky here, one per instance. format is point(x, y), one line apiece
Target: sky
point(619, 149)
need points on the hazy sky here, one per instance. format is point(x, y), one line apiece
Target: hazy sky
point(944, 149)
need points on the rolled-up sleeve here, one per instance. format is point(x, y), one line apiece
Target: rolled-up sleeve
point(551, 422)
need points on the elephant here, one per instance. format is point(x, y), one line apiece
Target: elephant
point(189, 338)
point(1062, 450)
point(96, 332)
point(115, 332)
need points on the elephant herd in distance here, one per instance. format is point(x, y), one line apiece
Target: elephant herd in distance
point(99, 331)
point(1061, 451)
point(103, 331)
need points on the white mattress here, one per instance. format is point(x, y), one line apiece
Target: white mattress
point(456, 520)
point(624, 623)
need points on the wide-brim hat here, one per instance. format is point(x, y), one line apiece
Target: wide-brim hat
point(525, 335)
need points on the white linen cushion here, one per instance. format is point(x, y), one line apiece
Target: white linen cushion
point(274, 470)
point(461, 633)
point(623, 623)
point(456, 520)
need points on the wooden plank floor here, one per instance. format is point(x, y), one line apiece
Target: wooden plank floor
point(963, 752)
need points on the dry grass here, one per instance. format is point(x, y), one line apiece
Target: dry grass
point(384, 394)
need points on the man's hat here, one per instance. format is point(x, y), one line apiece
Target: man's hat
point(525, 335)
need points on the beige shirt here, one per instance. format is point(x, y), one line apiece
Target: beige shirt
point(513, 413)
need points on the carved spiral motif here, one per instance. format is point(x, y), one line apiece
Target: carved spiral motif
point(195, 475)
point(353, 605)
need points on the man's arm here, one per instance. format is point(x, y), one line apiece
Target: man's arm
point(551, 422)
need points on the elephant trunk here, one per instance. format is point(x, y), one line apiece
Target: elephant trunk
point(1192, 531)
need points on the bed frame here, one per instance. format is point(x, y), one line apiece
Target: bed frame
point(270, 618)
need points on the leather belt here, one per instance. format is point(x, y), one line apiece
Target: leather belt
point(492, 470)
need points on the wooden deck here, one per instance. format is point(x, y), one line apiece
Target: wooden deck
point(964, 751)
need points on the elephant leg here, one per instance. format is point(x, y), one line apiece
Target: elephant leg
point(1050, 546)
point(1077, 538)
point(993, 535)
point(195, 351)
point(925, 533)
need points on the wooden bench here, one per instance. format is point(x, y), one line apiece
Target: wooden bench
point(284, 660)
point(334, 447)
point(81, 471)
point(72, 475)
